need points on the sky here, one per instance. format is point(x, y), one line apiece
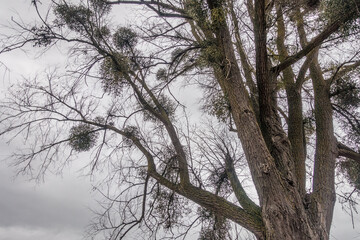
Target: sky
point(58, 208)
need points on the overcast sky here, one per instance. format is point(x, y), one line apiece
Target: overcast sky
point(58, 208)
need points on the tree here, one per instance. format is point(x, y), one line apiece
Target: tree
point(277, 74)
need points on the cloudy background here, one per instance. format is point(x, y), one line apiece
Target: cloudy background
point(58, 208)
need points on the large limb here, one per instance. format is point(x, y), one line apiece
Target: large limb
point(295, 118)
point(164, 118)
point(246, 66)
point(206, 199)
point(239, 191)
point(270, 123)
point(345, 151)
point(326, 150)
point(323, 196)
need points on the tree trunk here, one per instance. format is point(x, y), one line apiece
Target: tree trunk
point(284, 211)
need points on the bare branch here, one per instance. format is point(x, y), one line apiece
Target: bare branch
point(345, 151)
point(316, 41)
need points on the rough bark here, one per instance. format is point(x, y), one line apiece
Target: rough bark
point(283, 212)
point(295, 117)
point(322, 199)
point(345, 151)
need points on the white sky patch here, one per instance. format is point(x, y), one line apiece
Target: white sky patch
point(342, 228)
point(17, 233)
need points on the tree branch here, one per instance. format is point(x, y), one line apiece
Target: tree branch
point(150, 4)
point(222, 207)
point(317, 41)
point(343, 70)
point(345, 151)
point(204, 198)
point(300, 79)
point(239, 191)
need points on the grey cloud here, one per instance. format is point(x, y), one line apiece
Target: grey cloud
point(60, 203)
point(26, 208)
point(17, 233)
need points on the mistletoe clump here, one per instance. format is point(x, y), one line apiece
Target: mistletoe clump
point(125, 39)
point(83, 137)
